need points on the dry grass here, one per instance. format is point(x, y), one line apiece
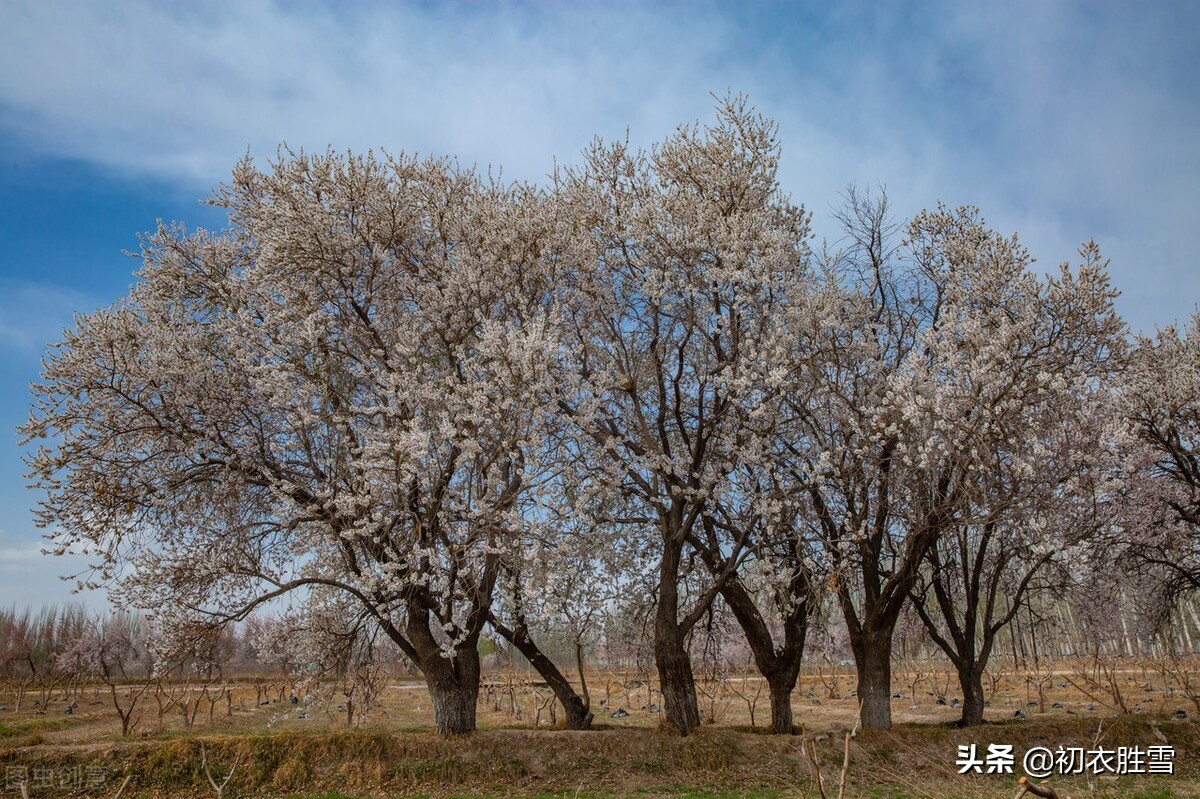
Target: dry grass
point(281, 754)
point(913, 761)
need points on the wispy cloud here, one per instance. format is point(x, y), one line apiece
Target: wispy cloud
point(14, 557)
point(1064, 121)
point(29, 578)
point(182, 91)
point(33, 315)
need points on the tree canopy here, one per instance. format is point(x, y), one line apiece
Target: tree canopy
point(395, 390)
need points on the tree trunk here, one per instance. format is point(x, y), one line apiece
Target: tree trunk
point(578, 714)
point(454, 689)
point(676, 681)
point(675, 678)
point(781, 685)
point(970, 679)
point(779, 665)
point(577, 708)
point(875, 683)
point(454, 707)
point(453, 681)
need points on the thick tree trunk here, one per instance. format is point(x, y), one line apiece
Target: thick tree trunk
point(454, 707)
point(578, 716)
point(971, 681)
point(781, 684)
point(453, 682)
point(454, 689)
point(875, 682)
point(675, 679)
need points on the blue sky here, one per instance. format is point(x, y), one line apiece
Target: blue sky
point(1062, 121)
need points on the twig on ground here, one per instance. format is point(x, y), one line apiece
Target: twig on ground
point(1043, 790)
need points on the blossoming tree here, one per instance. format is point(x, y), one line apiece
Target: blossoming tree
point(343, 389)
point(680, 261)
point(1161, 510)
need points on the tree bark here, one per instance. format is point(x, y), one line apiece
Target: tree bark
point(454, 706)
point(454, 689)
point(676, 681)
point(577, 708)
point(781, 684)
point(874, 666)
point(675, 677)
point(971, 681)
point(578, 715)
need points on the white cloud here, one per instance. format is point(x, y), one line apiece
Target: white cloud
point(33, 315)
point(11, 557)
point(30, 579)
point(1062, 121)
point(181, 91)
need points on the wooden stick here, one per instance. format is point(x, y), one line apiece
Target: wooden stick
point(220, 789)
point(811, 753)
point(1044, 791)
point(845, 767)
point(121, 790)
